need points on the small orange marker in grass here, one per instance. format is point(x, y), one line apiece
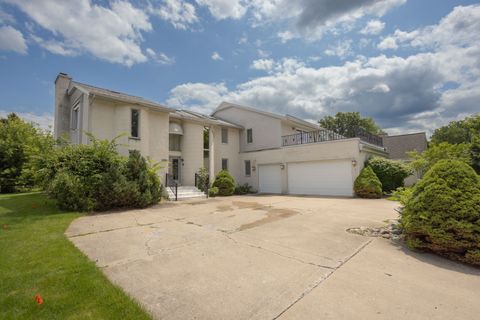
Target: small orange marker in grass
point(34, 206)
point(38, 299)
point(5, 226)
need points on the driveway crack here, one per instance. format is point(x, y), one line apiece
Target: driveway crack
point(321, 279)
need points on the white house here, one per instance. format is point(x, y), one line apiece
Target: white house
point(272, 153)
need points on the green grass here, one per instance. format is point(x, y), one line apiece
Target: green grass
point(37, 258)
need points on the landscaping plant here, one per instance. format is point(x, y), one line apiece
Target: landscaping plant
point(367, 184)
point(213, 192)
point(225, 183)
point(243, 189)
point(391, 173)
point(443, 213)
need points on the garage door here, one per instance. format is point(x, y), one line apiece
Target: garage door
point(270, 178)
point(326, 178)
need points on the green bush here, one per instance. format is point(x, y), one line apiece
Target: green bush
point(95, 177)
point(243, 189)
point(443, 213)
point(225, 183)
point(391, 173)
point(213, 192)
point(367, 184)
point(202, 182)
point(402, 195)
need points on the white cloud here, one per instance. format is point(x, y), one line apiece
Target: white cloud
point(160, 58)
point(373, 27)
point(285, 36)
point(179, 13)
point(224, 9)
point(44, 121)
point(313, 18)
point(403, 94)
point(216, 56)
point(6, 18)
point(12, 40)
point(341, 49)
point(388, 43)
point(108, 33)
point(263, 64)
point(243, 39)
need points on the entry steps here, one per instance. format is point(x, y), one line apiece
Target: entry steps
point(186, 192)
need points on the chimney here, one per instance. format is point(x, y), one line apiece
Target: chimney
point(62, 110)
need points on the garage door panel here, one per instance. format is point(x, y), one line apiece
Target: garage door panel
point(329, 178)
point(270, 178)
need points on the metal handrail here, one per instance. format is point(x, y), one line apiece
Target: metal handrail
point(328, 135)
point(172, 184)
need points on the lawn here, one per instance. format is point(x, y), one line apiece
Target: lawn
point(36, 258)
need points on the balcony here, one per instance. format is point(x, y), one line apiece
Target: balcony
point(328, 135)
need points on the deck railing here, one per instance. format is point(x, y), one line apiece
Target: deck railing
point(172, 184)
point(328, 135)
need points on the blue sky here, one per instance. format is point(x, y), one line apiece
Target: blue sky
point(411, 65)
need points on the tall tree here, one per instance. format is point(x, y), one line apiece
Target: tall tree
point(347, 124)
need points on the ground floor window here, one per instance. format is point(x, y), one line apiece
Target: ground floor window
point(224, 164)
point(247, 168)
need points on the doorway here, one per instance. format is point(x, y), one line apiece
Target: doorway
point(174, 168)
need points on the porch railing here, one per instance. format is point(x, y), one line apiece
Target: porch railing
point(172, 184)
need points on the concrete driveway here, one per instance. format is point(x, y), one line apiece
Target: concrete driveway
point(269, 257)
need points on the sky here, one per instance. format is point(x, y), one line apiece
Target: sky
point(410, 65)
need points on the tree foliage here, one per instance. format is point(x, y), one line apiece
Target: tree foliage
point(442, 151)
point(391, 173)
point(367, 184)
point(21, 145)
point(347, 124)
point(443, 212)
point(225, 183)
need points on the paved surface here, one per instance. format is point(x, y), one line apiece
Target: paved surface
point(269, 257)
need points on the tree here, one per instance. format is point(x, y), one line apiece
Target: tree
point(442, 151)
point(347, 124)
point(391, 173)
point(20, 144)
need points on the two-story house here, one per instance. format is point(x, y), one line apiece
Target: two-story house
point(273, 153)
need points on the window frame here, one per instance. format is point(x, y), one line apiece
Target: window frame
point(226, 135)
point(251, 136)
point(75, 121)
point(174, 140)
point(137, 124)
point(226, 162)
point(249, 166)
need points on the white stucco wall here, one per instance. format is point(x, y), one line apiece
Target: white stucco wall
point(192, 151)
point(228, 150)
point(267, 131)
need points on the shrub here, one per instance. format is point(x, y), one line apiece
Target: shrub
point(202, 182)
point(391, 173)
point(225, 183)
point(442, 151)
point(243, 189)
point(213, 192)
point(367, 184)
point(402, 195)
point(96, 177)
point(443, 213)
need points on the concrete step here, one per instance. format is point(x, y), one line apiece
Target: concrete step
point(186, 192)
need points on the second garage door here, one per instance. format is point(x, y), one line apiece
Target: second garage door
point(270, 178)
point(326, 178)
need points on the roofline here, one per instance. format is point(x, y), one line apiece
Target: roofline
point(226, 105)
point(175, 115)
point(406, 134)
point(152, 105)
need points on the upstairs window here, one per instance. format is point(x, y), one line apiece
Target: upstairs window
point(135, 124)
point(224, 164)
point(224, 135)
point(249, 136)
point(174, 142)
point(75, 115)
point(247, 168)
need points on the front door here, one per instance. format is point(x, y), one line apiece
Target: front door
point(175, 169)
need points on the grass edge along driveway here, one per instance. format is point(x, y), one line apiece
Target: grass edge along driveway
point(37, 258)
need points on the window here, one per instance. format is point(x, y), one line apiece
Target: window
point(249, 136)
point(174, 142)
point(75, 115)
point(135, 123)
point(247, 168)
point(224, 135)
point(224, 164)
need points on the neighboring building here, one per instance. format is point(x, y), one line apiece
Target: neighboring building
point(398, 147)
point(272, 153)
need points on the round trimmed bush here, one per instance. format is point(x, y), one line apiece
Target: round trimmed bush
point(391, 173)
point(367, 184)
point(225, 183)
point(443, 213)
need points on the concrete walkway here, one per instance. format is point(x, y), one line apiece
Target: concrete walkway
point(273, 257)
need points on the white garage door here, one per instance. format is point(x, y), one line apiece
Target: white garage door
point(270, 178)
point(326, 178)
